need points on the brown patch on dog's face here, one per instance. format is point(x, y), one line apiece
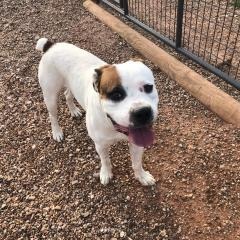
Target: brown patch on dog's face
point(98, 76)
point(108, 79)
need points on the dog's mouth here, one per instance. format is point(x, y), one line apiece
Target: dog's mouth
point(141, 136)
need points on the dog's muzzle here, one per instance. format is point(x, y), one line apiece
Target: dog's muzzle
point(140, 133)
point(141, 117)
point(118, 127)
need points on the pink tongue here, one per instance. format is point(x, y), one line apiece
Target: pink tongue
point(142, 137)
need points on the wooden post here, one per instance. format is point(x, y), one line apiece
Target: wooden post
point(215, 99)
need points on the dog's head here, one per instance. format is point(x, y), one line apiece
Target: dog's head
point(129, 98)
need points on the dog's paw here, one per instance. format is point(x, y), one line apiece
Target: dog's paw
point(105, 176)
point(58, 135)
point(75, 112)
point(145, 178)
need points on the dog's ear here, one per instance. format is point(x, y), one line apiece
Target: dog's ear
point(96, 80)
point(97, 77)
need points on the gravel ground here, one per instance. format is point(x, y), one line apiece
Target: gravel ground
point(50, 190)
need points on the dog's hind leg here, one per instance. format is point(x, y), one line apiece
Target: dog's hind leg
point(51, 103)
point(144, 177)
point(51, 84)
point(74, 110)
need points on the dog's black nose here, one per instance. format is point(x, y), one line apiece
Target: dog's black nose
point(141, 117)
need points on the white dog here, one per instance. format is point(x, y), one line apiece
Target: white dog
point(120, 100)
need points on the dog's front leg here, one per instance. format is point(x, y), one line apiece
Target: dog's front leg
point(106, 167)
point(144, 177)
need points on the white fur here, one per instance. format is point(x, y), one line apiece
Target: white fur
point(133, 76)
point(40, 44)
point(67, 66)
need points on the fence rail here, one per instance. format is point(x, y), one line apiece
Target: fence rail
point(206, 31)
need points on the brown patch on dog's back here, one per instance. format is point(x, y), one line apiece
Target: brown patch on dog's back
point(109, 80)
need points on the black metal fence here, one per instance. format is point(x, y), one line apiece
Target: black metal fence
point(206, 31)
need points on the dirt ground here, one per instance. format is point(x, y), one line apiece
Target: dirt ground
point(49, 190)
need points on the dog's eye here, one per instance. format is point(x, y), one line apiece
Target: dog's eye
point(118, 94)
point(148, 88)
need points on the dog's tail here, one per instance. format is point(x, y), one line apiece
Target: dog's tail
point(43, 44)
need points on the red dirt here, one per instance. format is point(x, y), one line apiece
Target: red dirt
point(50, 190)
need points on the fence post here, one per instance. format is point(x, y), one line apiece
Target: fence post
point(179, 27)
point(125, 6)
point(121, 3)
